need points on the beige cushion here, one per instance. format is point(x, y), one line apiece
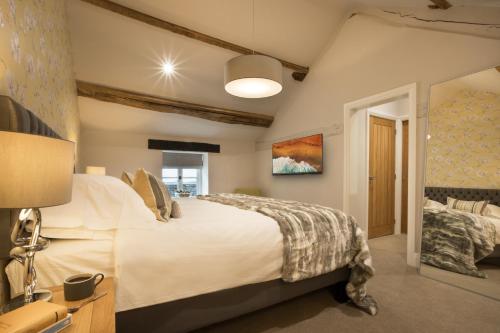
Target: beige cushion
point(128, 178)
point(176, 210)
point(475, 207)
point(154, 193)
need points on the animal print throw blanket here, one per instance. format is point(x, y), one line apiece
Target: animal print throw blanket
point(455, 241)
point(316, 240)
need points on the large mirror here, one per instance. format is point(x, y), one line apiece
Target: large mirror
point(461, 217)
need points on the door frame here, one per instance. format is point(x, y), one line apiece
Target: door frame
point(409, 91)
point(403, 120)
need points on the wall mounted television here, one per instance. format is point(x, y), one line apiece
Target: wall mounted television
point(298, 156)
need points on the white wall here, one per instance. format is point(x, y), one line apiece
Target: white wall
point(358, 191)
point(120, 151)
point(394, 109)
point(368, 57)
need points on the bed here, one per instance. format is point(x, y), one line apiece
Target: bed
point(440, 194)
point(216, 262)
point(455, 240)
point(247, 268)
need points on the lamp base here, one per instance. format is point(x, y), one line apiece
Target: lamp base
point(18, 301)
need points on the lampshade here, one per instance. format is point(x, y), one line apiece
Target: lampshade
point(253, 76)
point(35, 171)
point(95, 170)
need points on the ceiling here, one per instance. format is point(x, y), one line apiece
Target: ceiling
point(120, 52)
point(487, 81)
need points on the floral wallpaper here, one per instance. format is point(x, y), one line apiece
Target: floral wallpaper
point(35, 62)
point(464, 145)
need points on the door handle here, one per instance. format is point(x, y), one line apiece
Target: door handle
point(372, 178)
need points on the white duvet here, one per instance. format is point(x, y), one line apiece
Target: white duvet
point(212, 247)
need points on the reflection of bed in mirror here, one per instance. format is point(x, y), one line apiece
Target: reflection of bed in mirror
point(441, 194)
point(440, 258)
point(461, 214)
point(453, 253)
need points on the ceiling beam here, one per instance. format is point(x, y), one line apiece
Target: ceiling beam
point(440, 4)
point(299, 73)
point(165, 105)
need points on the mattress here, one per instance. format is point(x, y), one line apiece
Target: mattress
point(64, 258)
point(211, 248)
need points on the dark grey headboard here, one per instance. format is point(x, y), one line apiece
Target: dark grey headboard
point(470, 194)
point(15, 118)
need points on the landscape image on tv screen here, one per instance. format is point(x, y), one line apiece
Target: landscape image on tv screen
point(298, 156)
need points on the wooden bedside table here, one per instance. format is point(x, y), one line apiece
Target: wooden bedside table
point(95, 317)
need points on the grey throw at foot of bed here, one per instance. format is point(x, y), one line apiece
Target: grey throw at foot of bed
point(316, 240)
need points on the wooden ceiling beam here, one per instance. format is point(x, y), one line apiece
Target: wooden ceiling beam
point(299, 73)
point(165, 105)
point(440, 4)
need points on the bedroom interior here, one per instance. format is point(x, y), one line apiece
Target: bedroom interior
point(250, 165)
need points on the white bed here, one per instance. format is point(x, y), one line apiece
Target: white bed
point(212, 247)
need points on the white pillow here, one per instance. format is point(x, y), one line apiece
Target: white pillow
point(434, 204)
point(492, 211)
point(99, 203)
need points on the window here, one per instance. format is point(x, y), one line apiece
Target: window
point(191, 181)
point(183, 172)
point(170, 178)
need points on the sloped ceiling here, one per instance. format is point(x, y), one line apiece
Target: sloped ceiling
point(120, 52)
point(117, 51)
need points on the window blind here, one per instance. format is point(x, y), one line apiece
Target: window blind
point(182, 160)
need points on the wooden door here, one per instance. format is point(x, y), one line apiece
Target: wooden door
point(404, 180)
point(382, 174)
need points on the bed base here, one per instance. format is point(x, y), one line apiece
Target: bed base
point(199, 311)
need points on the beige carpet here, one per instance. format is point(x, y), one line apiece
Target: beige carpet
point(408, 303)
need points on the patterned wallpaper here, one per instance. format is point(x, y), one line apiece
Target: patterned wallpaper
point(35, 62)
point(464, 147)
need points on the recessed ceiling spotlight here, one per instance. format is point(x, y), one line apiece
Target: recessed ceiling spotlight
point(168, 68)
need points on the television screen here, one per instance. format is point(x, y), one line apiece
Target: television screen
point(298, 156)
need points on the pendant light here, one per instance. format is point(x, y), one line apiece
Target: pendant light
point(253, 75)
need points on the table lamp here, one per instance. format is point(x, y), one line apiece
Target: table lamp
point(35, 171)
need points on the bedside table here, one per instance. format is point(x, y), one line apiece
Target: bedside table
point(96, 317)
